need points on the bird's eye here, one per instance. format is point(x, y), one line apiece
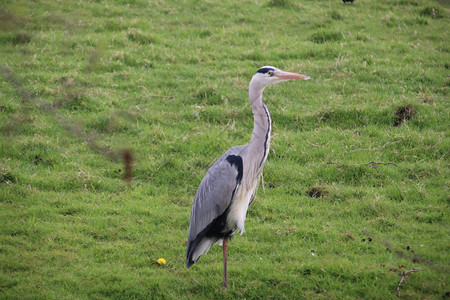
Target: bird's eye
point(270, 73)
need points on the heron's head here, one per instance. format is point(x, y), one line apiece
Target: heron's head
point(268, 75)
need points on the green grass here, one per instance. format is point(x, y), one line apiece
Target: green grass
point(82, 81)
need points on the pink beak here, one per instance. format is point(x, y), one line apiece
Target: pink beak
point(288, 75)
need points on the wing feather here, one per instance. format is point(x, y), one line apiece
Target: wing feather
point(213, 197)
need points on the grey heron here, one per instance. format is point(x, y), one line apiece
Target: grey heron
point(228, 188)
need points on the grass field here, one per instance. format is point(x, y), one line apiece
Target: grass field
point(355, 190)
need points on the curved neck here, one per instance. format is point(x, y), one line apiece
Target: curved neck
point(262, 125)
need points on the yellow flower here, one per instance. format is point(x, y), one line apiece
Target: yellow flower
point(161, 261)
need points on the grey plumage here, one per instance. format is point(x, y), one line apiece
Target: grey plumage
point(222, 199)
point(213, 197)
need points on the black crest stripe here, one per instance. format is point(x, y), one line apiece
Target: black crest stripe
point(265, 70)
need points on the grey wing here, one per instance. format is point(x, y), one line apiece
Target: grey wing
point(214, 195)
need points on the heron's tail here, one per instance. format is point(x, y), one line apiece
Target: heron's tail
point(195, 251)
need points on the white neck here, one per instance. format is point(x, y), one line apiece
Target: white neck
point(262, 127)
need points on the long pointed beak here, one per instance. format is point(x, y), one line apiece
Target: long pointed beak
point(288, 75)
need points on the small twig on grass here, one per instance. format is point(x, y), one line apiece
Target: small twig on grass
point(381, 163)
point(403, 274)
point(159, 96)
point(127, 158)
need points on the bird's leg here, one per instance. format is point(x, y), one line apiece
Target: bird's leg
point(225, 246)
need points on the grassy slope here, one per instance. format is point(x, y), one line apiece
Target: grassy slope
point(83, 80)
